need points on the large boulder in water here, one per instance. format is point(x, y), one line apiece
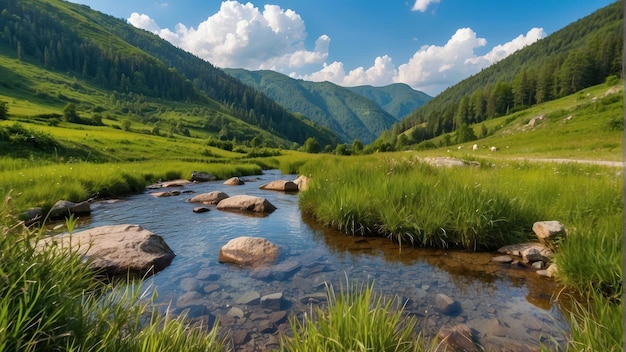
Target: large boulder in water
point(249, 251)
point(209, 198)
point(234, 181)
point(65, 208)
point(200, 176)
point(246, 203)
point(117, 249)
point(280, 185)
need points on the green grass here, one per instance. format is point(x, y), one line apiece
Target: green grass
point(32, 184)
point(593, 130)
point(356, 319)
point(596, 325)
point(51, 301)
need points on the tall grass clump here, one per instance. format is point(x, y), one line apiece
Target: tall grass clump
point(357, 319)
point(51, 301)
point(411, 201)
point(595, 324)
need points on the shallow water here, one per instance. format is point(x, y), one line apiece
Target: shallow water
point(507, 308)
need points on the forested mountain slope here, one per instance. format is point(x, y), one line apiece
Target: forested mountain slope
point(580, 55)
point(133, 66)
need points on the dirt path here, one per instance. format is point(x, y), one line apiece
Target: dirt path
point(580, 161)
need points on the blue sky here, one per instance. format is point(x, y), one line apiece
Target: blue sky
point(427, 44)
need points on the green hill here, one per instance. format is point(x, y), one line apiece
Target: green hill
point(351, 113)
point(105, 66)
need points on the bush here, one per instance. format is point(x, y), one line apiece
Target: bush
point(616, 124)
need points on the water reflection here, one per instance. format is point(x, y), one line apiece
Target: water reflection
point(508, 308)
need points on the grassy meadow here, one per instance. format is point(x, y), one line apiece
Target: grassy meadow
point(397, 195)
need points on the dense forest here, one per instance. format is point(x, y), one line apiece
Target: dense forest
point(580, 55)
point(110, 53)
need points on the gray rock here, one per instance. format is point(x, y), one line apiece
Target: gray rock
point(199, 176)
point(249, 251)
point(64, 208)
point(189, 284)
point(280, 185)
point(450, 162)
point(278, 317)
point(31, 216)
point(208, 275)
point(302, 284)
point(538, 265)
point(209, 198)
point(234, 181)
point(249, 298)
point(272, 301)
point(264, 274)
point(211, 288)
point(446, 305)
point(530, 251)
point(240, 337)
point(538, 252)
point(174, 183)
point(457, 338)
point(191, 298)
point(548, 272)
point(495, 327)
point(235, 313)
point(549, 231)
point(266, 327)
point(199, 210)
point(165, 194)
point(246, 203)
point(284, 270)
point(118, 249)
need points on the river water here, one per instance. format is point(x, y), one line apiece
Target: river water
point(507, 308)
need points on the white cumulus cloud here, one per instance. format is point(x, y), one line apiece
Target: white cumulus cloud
point(144, 22)
point(241, 35)
point(432, 68)
point(501, 51)
point(422, 5)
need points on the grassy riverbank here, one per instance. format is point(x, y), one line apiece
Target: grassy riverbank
point(33, 184)
point(404, 198)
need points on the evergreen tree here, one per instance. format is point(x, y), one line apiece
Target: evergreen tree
point(70, 114)
point(4, 110)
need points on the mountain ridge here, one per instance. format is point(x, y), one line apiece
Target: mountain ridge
point(354, 113)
